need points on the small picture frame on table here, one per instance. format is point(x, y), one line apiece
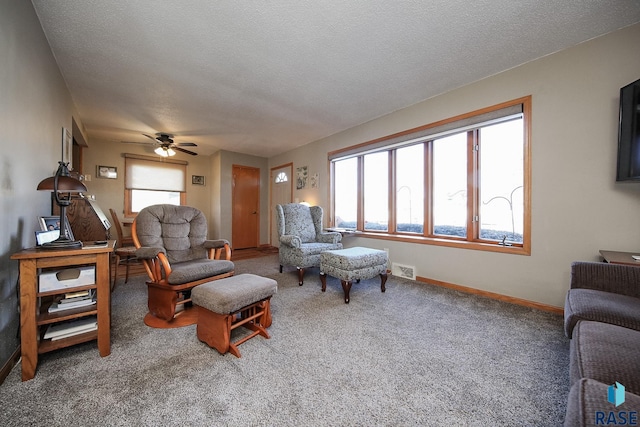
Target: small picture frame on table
point(197, 179)
point(109, 172)
point(52, 223)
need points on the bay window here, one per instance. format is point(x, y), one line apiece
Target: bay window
point(461, 182)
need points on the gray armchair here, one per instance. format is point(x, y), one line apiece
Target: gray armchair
point(301, 237)
point(172, 244)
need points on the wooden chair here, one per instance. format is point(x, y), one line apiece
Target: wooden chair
point(172, 244)
point(125, 251)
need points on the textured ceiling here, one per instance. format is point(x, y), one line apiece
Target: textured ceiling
point(263, 77)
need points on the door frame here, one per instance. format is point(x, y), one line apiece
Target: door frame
point(271, 212)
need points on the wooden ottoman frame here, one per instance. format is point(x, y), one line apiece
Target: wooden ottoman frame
point(226, 304)
point(215, 329)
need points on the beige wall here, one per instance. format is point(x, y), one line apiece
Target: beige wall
point(578, 208)
point(34, 107)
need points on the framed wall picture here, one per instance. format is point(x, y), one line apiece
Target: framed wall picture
point(302, 174)
point(109, 172)
point(197, 179)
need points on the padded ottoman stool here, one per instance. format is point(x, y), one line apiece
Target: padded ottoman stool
point(225, 304)
point(353, 264)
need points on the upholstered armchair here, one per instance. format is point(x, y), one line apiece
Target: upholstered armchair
point(301, 237)
point(172, 244)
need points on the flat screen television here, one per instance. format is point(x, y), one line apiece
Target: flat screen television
point(629, 133)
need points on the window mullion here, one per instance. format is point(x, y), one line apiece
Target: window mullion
point(428, 188)
point(360, 214)
point(472, 186)
point(392, 227)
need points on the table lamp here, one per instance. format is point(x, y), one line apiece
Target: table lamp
point(61, 182)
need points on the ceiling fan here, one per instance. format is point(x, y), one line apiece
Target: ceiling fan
point(166, 146)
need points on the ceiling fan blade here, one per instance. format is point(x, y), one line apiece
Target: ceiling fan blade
point(187, 144)
point(184, 151)
point(151, 137)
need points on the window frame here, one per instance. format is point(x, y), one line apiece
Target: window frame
point(391, 142)
point(128, 192)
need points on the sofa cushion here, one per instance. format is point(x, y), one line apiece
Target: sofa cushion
point(588, 400)
point(605, 352)
point(606, 307)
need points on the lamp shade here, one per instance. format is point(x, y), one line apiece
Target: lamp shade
point(65, 184)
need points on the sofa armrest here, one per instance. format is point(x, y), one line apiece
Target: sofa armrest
point(329, 237)
point(291, 240)
point(601, 276)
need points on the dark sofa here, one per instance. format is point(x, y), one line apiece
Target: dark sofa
point(602, 318)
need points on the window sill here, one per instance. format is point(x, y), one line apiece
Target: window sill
point(462, 244)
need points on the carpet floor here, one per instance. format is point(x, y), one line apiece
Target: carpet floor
point(416, 355)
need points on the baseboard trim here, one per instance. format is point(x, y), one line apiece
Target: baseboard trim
point(8, 366)
point(493, 295)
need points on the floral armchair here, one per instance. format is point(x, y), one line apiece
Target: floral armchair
point(301, 237)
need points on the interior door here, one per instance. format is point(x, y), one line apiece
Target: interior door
point(281, 193)
point(246, 207)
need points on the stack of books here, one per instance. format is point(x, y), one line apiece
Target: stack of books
point(62, 330)
point(74, 300)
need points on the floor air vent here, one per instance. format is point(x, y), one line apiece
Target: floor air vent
point(406, 271)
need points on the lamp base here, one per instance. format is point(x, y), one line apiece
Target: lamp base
point(62, 244)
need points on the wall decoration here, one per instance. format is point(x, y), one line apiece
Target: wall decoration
point(314, 180)
point(67, 148)
point(301, 177)
point(110, 172)
point(197, 179)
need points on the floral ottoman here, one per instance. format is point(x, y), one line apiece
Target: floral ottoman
point(353, 264)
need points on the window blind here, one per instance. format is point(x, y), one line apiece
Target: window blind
point(144, 173)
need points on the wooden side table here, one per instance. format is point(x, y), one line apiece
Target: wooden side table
point(616, 257)
point(34, 317)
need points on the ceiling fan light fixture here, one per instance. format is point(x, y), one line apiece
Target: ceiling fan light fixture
point(164, 151)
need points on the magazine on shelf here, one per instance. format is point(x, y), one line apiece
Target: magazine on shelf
point(68, 329)
point(70, 334)
point(57, 306)
point(74, 300)
point(88, 295)
point(76, 294)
